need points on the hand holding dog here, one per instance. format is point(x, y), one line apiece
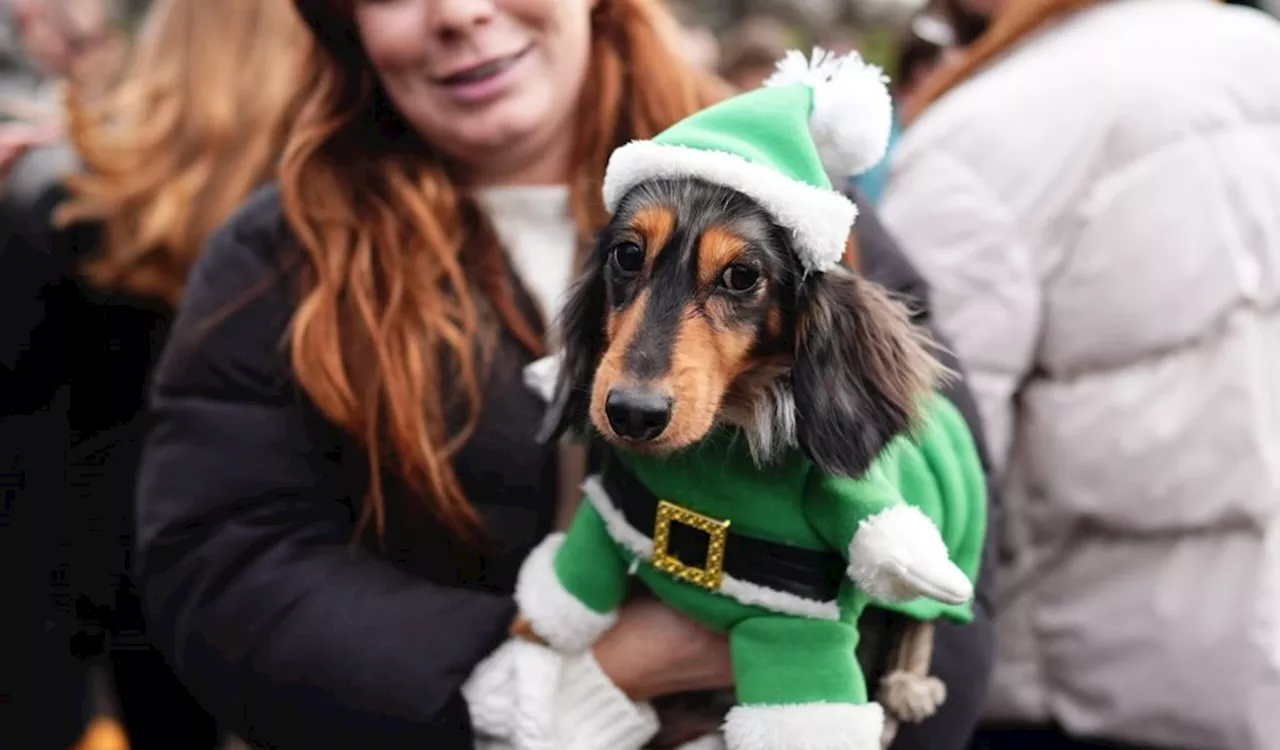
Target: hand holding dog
point(653, 651)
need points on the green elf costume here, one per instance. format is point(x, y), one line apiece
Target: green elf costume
point(782, 557)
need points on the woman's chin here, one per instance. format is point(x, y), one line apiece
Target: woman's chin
point(498, 139)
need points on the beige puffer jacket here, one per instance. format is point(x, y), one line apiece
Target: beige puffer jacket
point(1099, 217)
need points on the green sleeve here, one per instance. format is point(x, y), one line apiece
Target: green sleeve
point(949, 450)
point(835, 506)
point(590, 565)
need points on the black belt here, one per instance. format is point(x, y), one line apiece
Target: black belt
point(806, 573)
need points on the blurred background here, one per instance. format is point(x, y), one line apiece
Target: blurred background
point(43, 43)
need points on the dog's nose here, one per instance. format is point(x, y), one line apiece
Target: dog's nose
point(638, 414)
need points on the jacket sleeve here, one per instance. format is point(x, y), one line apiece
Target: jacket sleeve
point(985, 293)
point(279, 626)
point(289, 635)
point(34, 264)
point(39, 673)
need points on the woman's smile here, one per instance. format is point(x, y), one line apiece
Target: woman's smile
point(485, 81)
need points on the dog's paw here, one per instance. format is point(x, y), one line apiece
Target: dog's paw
point(911, 697)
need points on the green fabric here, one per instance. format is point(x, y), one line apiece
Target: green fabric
point(780, 657)
point(788, 660)
point(937, 469)
point(777, 658)
point(766, 126)
point(941, 473)
point(590, 565)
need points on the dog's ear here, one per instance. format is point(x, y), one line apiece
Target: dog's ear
point(860, 370)
point(580, 328)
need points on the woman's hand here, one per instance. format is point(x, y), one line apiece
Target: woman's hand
point(653, 651)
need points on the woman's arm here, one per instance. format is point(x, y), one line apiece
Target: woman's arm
point(289, 635)
point(281, 628)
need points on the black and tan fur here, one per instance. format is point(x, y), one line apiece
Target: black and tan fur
point(825, 361)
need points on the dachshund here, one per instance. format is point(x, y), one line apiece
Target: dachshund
point(693, 312)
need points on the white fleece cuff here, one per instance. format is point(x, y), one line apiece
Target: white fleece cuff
point(898, 555)
point(556, 615)
point(813, 726)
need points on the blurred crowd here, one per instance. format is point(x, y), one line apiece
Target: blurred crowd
point(237, 490)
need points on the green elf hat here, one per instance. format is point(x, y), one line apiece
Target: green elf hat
point(827, 115)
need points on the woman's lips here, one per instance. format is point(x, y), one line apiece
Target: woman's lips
point(483, 82)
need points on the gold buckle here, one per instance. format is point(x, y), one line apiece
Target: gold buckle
point(712, 574)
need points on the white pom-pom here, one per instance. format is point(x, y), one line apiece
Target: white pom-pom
point(852, 111)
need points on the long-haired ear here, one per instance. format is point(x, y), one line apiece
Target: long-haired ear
point(861, 369)
point(580, 328)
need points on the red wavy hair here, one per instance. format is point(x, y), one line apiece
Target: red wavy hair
point(172, 148)
point(406, 286)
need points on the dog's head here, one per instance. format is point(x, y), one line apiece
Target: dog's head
point(694, 311)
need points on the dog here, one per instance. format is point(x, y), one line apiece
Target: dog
point(694, 314)
point(693, 311)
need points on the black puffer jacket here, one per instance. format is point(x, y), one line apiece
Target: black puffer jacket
point(74, 365)
point(247, 502)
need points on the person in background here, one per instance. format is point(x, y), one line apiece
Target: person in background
point(699, 42)
point(838, 39)
point(1091, 192)
point(43, 687)
point(752, 49)
point(343, 479)
point(52, 42)
point(968, 19)
point(91, 269)
point(928, 42)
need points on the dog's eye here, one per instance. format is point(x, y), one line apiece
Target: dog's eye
point(628, 257)
point(740, 277)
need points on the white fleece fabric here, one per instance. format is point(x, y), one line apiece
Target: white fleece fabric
point(898, 555)
point(528, 697)
point(811, 726)
point(570, 626)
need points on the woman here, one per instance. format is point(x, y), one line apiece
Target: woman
point(752, 49)
point(55, 40)
point(967, 18)
point(343, 479)
point(165, 155)
point(1091, 193)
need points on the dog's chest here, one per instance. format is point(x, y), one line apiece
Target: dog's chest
point(718, 479)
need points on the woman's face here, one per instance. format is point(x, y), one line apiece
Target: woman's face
point(491, 83)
